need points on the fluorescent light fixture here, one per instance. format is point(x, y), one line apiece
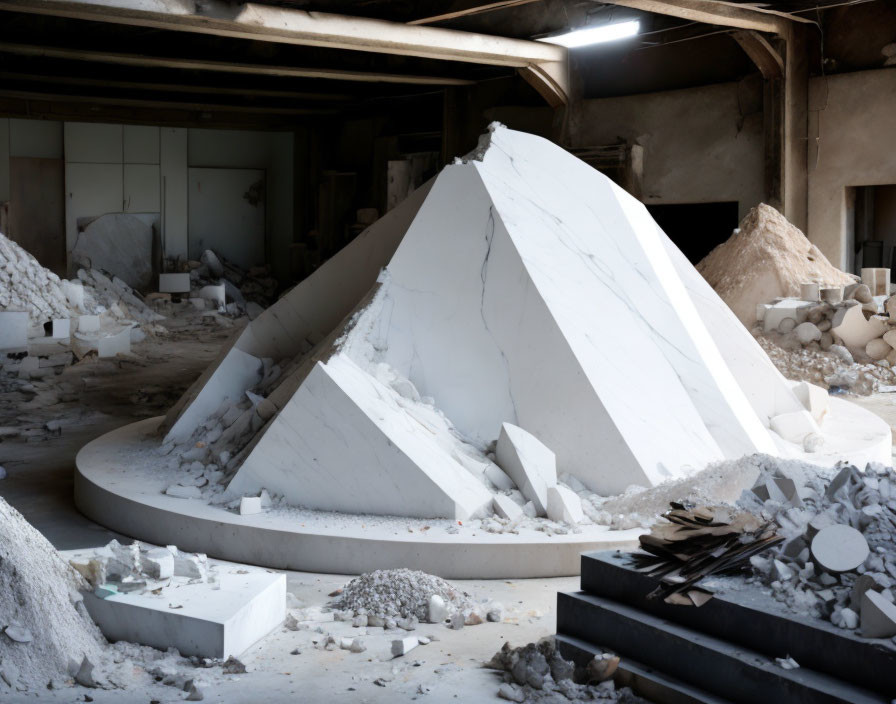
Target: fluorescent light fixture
point(595, 35)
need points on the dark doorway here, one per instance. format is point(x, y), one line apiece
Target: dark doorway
point(37, 210)
point(696, 227)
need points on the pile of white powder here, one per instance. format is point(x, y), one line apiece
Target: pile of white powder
point(43, 623)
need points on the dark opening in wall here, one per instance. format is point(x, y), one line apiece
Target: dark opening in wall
point(696, 227)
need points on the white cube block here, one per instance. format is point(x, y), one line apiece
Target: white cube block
point(60, 328)
point(13, 329)
point(88, 323)
point(174, 283)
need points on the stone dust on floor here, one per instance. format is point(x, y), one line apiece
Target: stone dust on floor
point(101, 395)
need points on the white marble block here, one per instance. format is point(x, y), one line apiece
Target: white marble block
point(215, 293)
point(13, 329)
point(344, 442)
point(814, 399)
point(526, 460)
point(60, 328)
point(791, 308)
point(174, 283)
point(794, 427)
point(564, 505)
point(88, 323)
point(212, 621)
point(484, 322)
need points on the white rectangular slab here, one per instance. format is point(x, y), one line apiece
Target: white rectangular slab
point(197, 619)
point(174, 283)
point(343, 442)
point(13, 329)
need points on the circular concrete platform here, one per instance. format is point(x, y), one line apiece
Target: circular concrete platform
point(116, 487)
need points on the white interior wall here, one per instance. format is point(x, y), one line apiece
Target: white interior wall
point(41, 139)
point(112, 168)
point(270, 151)
point(852, 139)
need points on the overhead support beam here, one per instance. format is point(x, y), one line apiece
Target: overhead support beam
point(475, 8)
point(164, 104)
point(545, 62)
point(761, 52)
point(709, 12)
point(173, 87)
point(223, 66)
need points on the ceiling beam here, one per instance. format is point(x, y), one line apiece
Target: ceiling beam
point(472, 9)
point(763, 54)
point(149, 103)
point(222, 66)
point(290, 26)
point(710, 12)
point(201, 89)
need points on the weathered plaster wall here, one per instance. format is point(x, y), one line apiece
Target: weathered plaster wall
point(701, 145)
point(852, 142)
point(112, 168)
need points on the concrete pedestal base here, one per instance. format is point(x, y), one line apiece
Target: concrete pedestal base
point(116, 490)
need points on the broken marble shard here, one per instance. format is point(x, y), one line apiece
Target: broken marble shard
point(564, 506)
point(878, 615)
point(526, 460)
point(403, 646)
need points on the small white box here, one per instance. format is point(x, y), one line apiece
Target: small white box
point(13, 329)
point(89, 323)
point(174, 283)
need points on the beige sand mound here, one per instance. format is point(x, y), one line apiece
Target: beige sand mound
point(767, 258)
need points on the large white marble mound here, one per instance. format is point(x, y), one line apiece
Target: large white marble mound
point(526, 288)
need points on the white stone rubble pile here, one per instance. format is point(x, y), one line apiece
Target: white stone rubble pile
point(137, 568)
point(44, 627)
point(537, 672)
point(849, 344)
point(26, 285)
point(838, 561)
point(408, 597)
point(766, 258)
point(218, 283)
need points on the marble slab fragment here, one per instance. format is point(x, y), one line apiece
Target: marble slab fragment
point(208, 620)
point(345, 442)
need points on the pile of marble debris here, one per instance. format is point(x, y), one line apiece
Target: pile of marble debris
point(216, 282)
point(838, 561)
point(405, 598)
point(94, 312)
point(138, 568)
point(537, 672)
point(834, 337)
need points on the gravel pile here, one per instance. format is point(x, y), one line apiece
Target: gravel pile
point(805, 502)
point(400, 593)
point(537, 672)
point(43, 623)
